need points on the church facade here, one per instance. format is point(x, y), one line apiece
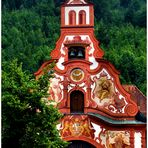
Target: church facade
point(98, 111)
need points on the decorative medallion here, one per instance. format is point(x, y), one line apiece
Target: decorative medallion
point(77, 75)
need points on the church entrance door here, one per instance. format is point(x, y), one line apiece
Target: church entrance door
point(77, 102)
point(80, 144)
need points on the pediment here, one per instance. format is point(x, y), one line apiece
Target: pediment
point(76, 2)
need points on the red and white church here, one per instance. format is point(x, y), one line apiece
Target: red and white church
point(99, 112)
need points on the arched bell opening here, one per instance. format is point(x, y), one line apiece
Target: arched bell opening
point(76, 52)
point(72, 17)
point(77, 102)
point(80, 144)
point(82, 17)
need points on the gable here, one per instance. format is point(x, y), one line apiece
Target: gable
point(108, 95)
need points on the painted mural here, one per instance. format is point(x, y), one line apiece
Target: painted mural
point(115, 139)
point(55, 89)
point(106, 95)
point(76, 126)
point(104, 91)
point(73, 126)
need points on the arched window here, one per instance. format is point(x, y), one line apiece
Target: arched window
point(82, 17)
point(76, 102)
point(72, 17)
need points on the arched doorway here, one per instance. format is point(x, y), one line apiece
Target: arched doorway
point(80, 144)
point(76, 102)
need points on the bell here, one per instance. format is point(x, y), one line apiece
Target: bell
point(80, 54)
point(72, 54)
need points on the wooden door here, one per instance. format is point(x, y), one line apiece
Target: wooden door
point(77, 102)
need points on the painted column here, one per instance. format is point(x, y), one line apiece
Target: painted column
point(137, 140)
point(143, 139)
point(88, 83)
point(132, 138)
point(65, 91)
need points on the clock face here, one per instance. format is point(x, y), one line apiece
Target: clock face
point(77, 75)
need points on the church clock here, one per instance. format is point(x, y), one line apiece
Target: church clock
point(77, 75)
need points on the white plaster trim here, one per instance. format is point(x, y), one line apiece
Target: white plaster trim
point(91, 59)
point(82, 85)
point(59, 63)
point(137, 140)
point(106, 72)
point(95, 63)
point(97, 129)
point(70, 87)
point(61, 59)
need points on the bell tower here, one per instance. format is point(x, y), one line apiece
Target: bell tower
point(77, 13)
point(86, 88)
point(77, 41)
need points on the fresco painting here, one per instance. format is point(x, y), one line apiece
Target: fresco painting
point(115, 139)
point(104, 91)
point(55, 90)
point(106, 95)
point(77, 126)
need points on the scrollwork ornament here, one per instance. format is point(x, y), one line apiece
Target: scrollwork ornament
point(131, 110)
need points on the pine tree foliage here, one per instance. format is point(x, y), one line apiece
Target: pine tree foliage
point(28, 120)
point(31, 28)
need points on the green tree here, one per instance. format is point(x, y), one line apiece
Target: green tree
point(25, 42)
point(29, 33)
point(31, 28)
point(28, 120)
